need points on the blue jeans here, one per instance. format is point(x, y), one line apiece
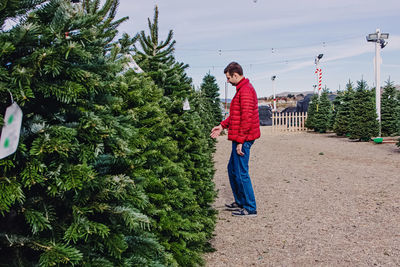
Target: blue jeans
point(239, 178)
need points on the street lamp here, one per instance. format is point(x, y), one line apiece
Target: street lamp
point(226, 100)
point(319, 73)
point(379, 39)
point(273, 89)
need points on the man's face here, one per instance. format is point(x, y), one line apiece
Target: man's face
point(232, 79)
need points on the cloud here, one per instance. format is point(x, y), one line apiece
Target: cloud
point(225, 19)
point(338, 52)
point(246, 32)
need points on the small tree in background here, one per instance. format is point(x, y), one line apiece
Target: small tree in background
point(341, 125)
point(209, 105)
point(390, 110)
point(322, 115)
point(398, 119)
point(210, 91)
point(335, 108)
point(364, 124)
point(202, 104)
point(312, 110)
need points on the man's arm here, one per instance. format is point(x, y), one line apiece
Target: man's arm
point(225, 123)
point(216, 131)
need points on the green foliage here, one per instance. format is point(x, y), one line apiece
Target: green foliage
point(110, 171)
point(390, 110)
point(181, 200)
point(55, 254)
point(71, 194)
point(312, 110)
point(335, 108)
point(10, 9)
point(10, 192)
point(210, 91)
point(398, 99)
point(364, 124)
point(208, 104)
point(341, 125)
point(323, 113)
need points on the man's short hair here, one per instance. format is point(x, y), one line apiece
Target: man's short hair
point(232, 68)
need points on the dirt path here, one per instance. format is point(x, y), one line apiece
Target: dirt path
point(322, 201)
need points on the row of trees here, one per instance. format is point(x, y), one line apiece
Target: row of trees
point(353, 112)
point(110, 170)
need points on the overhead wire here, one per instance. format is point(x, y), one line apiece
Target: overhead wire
point(273, 50)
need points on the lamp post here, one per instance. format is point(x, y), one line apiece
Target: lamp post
point(273, 89)
point(379, 39)
point(226, 100)
point(319, 73)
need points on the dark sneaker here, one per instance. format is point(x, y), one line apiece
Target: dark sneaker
point(233, 206)
point(244, 213)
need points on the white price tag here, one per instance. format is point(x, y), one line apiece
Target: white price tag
point(186, 105)
point(11, 130)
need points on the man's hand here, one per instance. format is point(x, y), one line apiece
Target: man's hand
point(216, 131)
point(239, 150)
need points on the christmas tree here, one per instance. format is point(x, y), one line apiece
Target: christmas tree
point(186, 233)
point(398, 119)
point(313, 108)
point(390, 110)
point(323, 113)
point(12, 9)
point(68, 197)
point(364, 124)
point(210, 91)
point(209, 105)
point(341, 126)
point(335, 108)
point(9, 10)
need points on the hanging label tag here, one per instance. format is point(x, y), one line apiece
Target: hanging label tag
point(11, 130)
point(186, 105)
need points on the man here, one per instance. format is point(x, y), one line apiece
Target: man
point(243, 126)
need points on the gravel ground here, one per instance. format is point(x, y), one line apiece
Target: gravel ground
point(322, 200)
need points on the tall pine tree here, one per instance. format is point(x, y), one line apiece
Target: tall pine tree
point(341, 126)
point(335, 108)
point(364, 123)
point(313, 108)
point(209, 105)
point(390, 110)
point(210, 91)
point(188, 238)
point(323, 113)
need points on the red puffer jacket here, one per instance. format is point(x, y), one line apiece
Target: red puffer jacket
point(243, 122)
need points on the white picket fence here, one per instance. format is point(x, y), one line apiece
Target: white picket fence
point(292, 122)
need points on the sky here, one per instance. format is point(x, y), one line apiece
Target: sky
point(279, 38)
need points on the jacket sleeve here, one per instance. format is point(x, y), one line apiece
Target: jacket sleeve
point(225, 123)
point(246, 114)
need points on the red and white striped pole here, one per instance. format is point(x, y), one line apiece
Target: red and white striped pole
point(318, 71)
point(319, 81)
